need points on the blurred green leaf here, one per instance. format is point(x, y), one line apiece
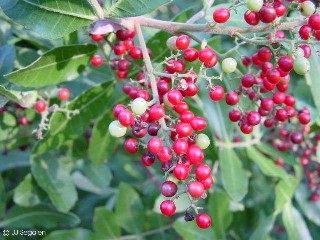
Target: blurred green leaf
point(27, 193)
point(219, 204)
point(264, 228)
point(13, 160)
point(74, 234)
point(267, 166)
point(284, 191)
point(98, 174)
point(2, 196)
point(102, 144)
point(131, 8)
point(190, 231)
point(129, 209)
point(234, 176)
point(53, 177)
point(312, 78)
point(38, 216)
point(7, 57)
point(105, 223)
point(61, 16)
point(9, 94)
point(60, 64)
point(310, 209)
point(295, 225)
point(90, 105)
point(274, 153)
point(8, 119)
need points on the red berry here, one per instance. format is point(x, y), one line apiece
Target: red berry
point(126, 118)
point(296, 137)
point(195, 154)
point(248, 80)
point(306, 49)
point(183, 130)
point(191, 90)
point(123, 65)
point(174, 66)
point(253, 118)
point(273, 76)
point(41, 106)
point(267, 14)
point(181, 107)
point(153, 129)
point(147, 159)
point(314, 21)
point(246, 128)
point(174, 97)
point(279, 98)
point(252, 18)
point(264, 54)
point(221, 15)
point(23, 121)
point(168, 208)
point(207, 183)
point(304, 118)
point(246, 60)
point(198, 123)
point(119, 49)
point(96, 37)
point(202, 171)
point(203, 220)
point(157, 112)
point(234, 115)
point(129, 44)
point(154, 145)
point(206, 55)
point(196, 189)
point(191, 54)
point(186, 116)
point(165, 154)
point(217, 93)
point(131, 145)
point(181, 171)
point(180, 146)
point(232, 98)
point(136, 53)
point(117, 109)
point(122, 34)
point(182, 42)
point(281, 115)
point(285, 63)
point(280, 9)
point(168, 189)
point(64, 94)
point(96, 61)
point(305, 32)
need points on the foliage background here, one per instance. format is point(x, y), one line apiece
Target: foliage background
point(74, 188)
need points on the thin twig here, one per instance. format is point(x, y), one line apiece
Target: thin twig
point(97, 8)
point(201, 13)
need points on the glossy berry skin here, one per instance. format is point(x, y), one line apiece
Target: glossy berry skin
point(168, 188)
point(183, 130)
point(131, 145)
point(304, 118)
point(191, 54)
point(252, 18)
point(153, 129)
point(96, 37)
point(207, 183)
point(182, 42)
point(248, 80)
point(306, 49)
point(281, 115)
point(267, 103)
point(267, 14)
point(305, 32)
point(122, 34)
point(126, 118)
point(136, 53)
point(186, 116)
point(195, 189)
point(154, 145)
point(264, 54)
point(279, 98)
point(246, 128)
point(23, 121)
point(64, 94)
point(296, 137)
point(168, 208)
point(198, 123)
point(314, 21)
point(202, 171)
point(217, 93)
point(180, 146)
point(96, 61)
point(253, 118)
point(156, 112)
point(232, 98)
point(280, 9)
point(40, 106)
point(221, 15)
point(181, 171)
point(195, 154)
point(206, 55)
point(181, 107)
point(147, 159)
point(273, 76)
point(285, 63)
point(203, 220)
point(174, 97)
point(165, 154)
point(119, 49)
point(234, 115)
point(175, 66)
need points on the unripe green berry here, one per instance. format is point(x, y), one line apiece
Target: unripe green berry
point(116, 129)
point(202, 141)
point(299, 52)
point(171, 43)
point(307, 8)
point(139, 106)
point(229, 65)
point(254, 5)
point(301, 65)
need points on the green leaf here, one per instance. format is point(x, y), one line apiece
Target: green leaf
point(294, 223)
point(90, 105)
point(57, 65)
point(270, 151)
point(73, 234)
point(310, 209)
point(38, 216)
point(234, 176)
point(50, 19)
point(190, 231)
point(102, 144)
point(99, 174)
point(264, 228)
point(104, 222)
point(13, 160)
point(7, 57)
point(312, 78)
point(2, 196)
point(130, 8)
point(9, 94)
point(266, 165)
point(129, 209)
point(284, 191)
point(27, 193)
point(8, 119)
point(219, 204)
point(53, 177)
